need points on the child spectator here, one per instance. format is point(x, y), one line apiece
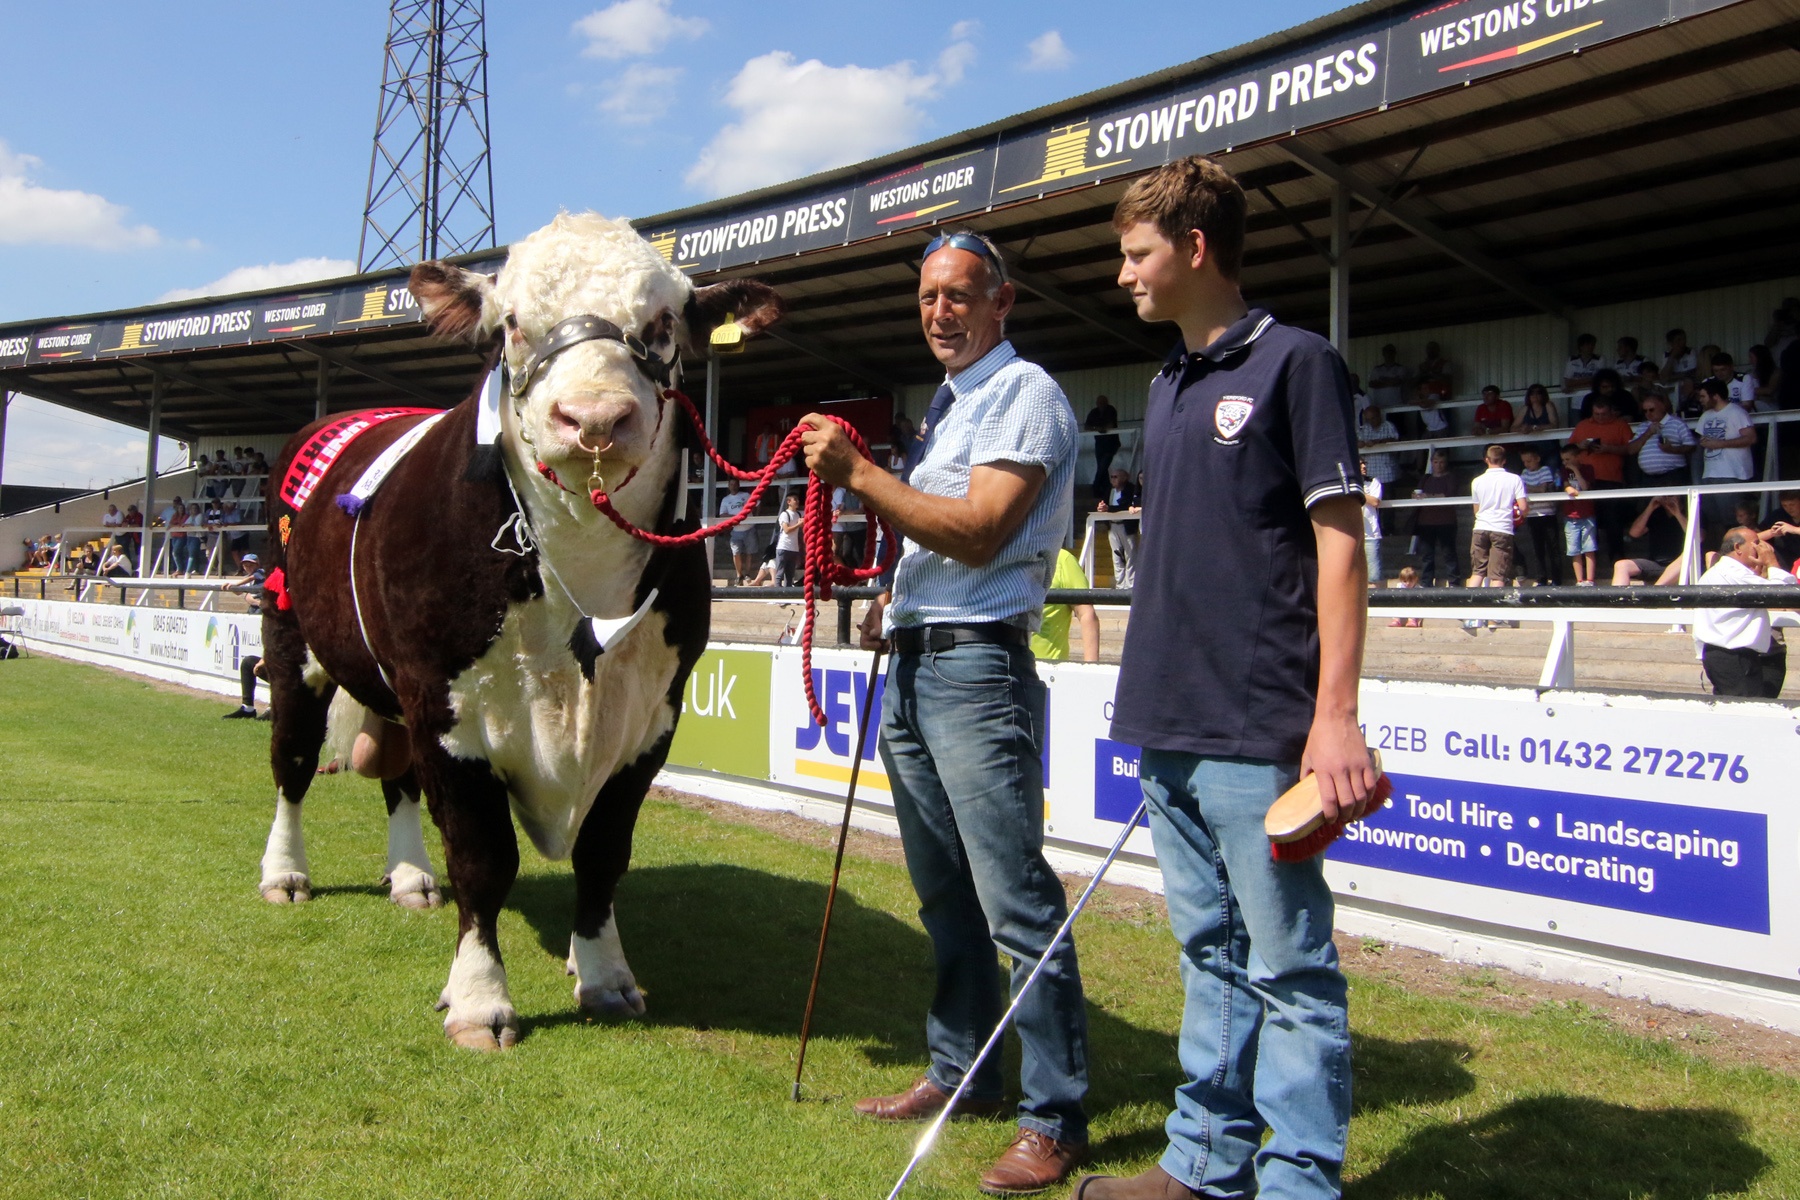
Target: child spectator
point(1494, 415)
point(1499, 507)
point(1628, 361)
point(1579, 537)
point(1051, 641)
point(1407, 578)
point(1371, 522)
point(1540, 518)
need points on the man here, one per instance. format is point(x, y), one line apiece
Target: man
point(1740, 388)
point(1435, 526)
point(1500, 505)
point(1103, 422)
point(962, 719)
point(1627, 362)
point(1388, 379)
point(1662, 444)
point(1578, 373)
point(1783, 532)
point(1121, 496)
point(1605, 441)
point(1493, 414)
point(1240, 675)
point(1434, 385)
point(1738, 646)
point(1051, 642)
point(1725, 436)
point(743, 535)
point(1371, 430)
point(1654, 545)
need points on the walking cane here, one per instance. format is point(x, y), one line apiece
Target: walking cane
point(837, 865)
point(929, 1137)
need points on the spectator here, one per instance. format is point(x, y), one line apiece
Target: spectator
point(1680, 368)
point(1762, 375)
point(1741, 391)
point(1371, 515)
point(1493, 415)
point(1536, 414)
point(1499, 505)
point(230, 516)
point(1579, 533)
point(1121, 496)
point(1359, 396)
point(133, 520)
point(251, 581)
point(1541, 524)
point(1388, 379)
point(1605, 442)
point(1051, 642)
point(1407, 578)
point(259, 467)
point(1783, 532)
point(117, 563)
point(1738, 646)
point(113, 519)
point(1627, 362)
point(743, 536)
point(1433, 388)
point(1654, 545)
point(787, 547)
point(1649, 383)
point(1726, 435)
point(176, 542)
point(1662, 443)
point(901, 432)
point(1608, 385)
point(1578, 372)
point(849, 537)
point(1371, 430)
point(1103, 422)
point(249, 671)
point(242, 464)
point(1435, 526)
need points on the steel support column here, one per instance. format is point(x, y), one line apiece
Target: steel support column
point(6, 399)
point(709, 471)
point(322, 396)
point(1340, 268)
point(155, 435)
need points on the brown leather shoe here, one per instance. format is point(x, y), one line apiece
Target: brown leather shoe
point(1035, 1161)
point(1154, 1184)
point(922, 1101)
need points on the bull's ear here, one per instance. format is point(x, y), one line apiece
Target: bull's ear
point(456, 303)
point(755, 305)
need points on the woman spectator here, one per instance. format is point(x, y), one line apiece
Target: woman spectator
point(787, 545)
point(1535, 414)
point(184, 548)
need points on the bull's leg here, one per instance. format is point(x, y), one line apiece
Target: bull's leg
point(603, 979)
point(299, 696)
point(409, 877)
point(481, 855)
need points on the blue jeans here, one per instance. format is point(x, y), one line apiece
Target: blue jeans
point(962, 740)
point(1265, 1037)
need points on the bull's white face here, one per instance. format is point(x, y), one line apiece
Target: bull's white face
point(590, 399)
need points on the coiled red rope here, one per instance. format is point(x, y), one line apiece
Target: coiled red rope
point(821, 570)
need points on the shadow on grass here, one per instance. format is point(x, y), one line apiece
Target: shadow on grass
point(719, 946)
point(1551, 1147)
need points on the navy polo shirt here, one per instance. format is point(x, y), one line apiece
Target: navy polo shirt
point(1222, 653)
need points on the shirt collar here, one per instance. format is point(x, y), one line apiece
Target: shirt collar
point(981, 370)
point(1238, 336)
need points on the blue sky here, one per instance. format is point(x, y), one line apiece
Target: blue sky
point(148, 151)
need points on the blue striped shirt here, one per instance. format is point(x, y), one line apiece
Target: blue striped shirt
point(1006, 410)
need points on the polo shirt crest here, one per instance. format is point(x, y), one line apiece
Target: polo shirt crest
point(1230, 417)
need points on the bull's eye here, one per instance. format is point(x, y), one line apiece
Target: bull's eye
point(512, 322)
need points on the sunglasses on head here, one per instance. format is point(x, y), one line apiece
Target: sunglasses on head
point(971, 243)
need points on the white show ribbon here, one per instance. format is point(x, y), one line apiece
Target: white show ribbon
point(376, 472)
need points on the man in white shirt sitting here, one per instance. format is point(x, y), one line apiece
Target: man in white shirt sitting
point(1738, 646)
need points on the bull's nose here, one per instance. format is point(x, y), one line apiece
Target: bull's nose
point(594, 425)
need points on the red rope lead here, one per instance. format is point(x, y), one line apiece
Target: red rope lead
point(821, 569)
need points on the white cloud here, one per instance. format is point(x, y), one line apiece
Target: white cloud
point(795, 119)
point(51, 446)
point(31, 214)
point(1048, 52)
point(266, 275)
point(641, 94)
point(634, 27)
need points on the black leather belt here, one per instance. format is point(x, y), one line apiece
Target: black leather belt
point(930, 639)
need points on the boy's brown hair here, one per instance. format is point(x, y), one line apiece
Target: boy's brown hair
point(1496, 455)
point(1187, 194)
point(1408, 576)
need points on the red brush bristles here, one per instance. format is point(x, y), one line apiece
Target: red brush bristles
point(1315, 842)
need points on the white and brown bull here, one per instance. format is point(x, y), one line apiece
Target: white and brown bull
point(480, 651)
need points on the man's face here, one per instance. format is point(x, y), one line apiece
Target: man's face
point(1603, 412)
point(1118, 478)
point(961, 321)
point(1722, 372)
point(1749, 549)
point(1489, 395)
point(1585, 348)
point(1654, 409)
point(1791, 506)
point(1440, 463)
point(1164, 279)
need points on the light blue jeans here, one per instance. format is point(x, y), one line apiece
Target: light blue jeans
point(1265, 1037)
point(962, 735)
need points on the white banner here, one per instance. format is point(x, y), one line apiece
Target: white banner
point(173, 643)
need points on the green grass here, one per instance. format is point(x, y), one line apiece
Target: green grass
point(166, 1033)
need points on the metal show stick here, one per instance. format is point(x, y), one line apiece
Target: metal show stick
point(929, 1137)
point(812, 993)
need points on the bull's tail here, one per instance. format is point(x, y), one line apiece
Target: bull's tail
point(342, 725)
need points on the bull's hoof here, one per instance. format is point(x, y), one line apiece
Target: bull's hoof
point(473, 1035)
point(289, 888)
point(415, 890)
point(601, 1001)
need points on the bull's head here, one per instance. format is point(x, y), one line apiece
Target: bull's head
point(578, 397)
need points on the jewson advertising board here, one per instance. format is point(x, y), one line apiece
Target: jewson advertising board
point(803, 754)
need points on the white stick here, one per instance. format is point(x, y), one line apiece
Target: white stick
point(929, 1138)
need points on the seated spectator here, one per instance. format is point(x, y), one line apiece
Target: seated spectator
point(1543, 526)
point(1663, 443)
point(1738, 647)
point(1606, 384)
point(1388, 379)
point(1536, 414)
point(1372, 430)
point(1407, 578)
point(1578, 372)
point(1783, 532)
point(1627, 362)
point(1433, 387)
point(1739, 390)
point(1680, 367)
point(1051, 641)
point(1435, 525)
point(1654, 545)
point(1493, 415)
point(1580, 541)
point(117, 564)
point(250, 669)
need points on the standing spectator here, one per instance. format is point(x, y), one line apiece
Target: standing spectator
point(1605, 442)
point(114, 519)
point(743, 535)
point(1649, 383)
point(133, 520)
point(1499, 506)
point(1579, 534)
point(1359, 396)
point(850, 537)
point(1493, 415)
point(1388, 379)
point(1051, 642)
point(1785, 349)
point(1371, 515)
point(1783, 532)
point(1762, 376)
point(1435, 526)
point(1740, 390)
point(1536, 414)
point(1662, 443)
point(1654, 545)
point(241, 465)
point(787, 544)
point(1680, 367)
point(1578, 372)
point(1627, 362)
point(1726, 435)
point(1434, 385)
point(1103, 422)
point(767, 442)
point(1121, 496)
point(1607, 385)
point(1738, 646)
point(1372, 430)
point(1542, 525)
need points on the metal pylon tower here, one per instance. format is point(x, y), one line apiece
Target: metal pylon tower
point(431, 181)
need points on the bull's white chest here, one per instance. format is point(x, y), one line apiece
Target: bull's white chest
point(552, 736)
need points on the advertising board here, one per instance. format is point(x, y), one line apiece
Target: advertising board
point(724, 724)
point(179, 641)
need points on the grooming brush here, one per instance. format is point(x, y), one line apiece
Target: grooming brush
point(1296, 822)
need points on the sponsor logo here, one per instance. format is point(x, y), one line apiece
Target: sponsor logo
point(1116, 789)
point(1230, 417)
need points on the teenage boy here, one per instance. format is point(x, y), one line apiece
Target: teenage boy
point(1499, 507)
point(1726, 436)
point(1579, 536)
point(1239, 676)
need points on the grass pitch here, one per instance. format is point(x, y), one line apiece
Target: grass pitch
point(166, 1033)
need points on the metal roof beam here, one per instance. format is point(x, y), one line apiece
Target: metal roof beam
point(350, 362)
point(1412, 218)
point(181, 375)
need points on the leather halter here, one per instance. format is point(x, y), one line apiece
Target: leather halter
point(572, 331)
